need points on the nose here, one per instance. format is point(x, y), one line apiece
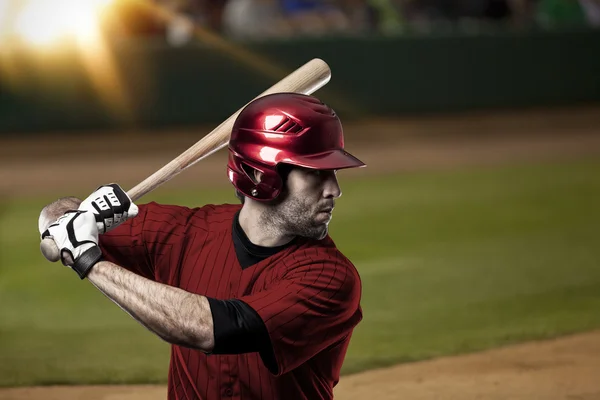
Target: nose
point(331, 187)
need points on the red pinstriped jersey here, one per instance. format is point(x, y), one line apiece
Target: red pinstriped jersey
point(308, 296)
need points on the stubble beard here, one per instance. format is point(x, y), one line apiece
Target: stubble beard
point(292, 216)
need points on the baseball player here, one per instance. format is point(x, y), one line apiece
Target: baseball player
point(255, 298)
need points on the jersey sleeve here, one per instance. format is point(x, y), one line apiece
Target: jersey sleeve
point(312, 307)
point(149, 244)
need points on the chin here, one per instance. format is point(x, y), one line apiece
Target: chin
point(322, 234)
point(316, 234)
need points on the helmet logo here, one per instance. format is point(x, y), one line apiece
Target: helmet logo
point(281, 124)
point(272, 122)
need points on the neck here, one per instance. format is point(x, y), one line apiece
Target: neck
point(260, 229)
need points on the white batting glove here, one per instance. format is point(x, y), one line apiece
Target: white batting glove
point(110, 205)
point(76, 235)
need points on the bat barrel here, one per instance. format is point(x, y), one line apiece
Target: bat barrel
point(307, 79)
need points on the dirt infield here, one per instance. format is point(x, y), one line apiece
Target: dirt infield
point(565, 368)
point(562, 369)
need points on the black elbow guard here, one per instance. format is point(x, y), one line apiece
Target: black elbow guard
point(237, 327)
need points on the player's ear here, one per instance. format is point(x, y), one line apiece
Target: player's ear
point(257, 176)
point(252, 173)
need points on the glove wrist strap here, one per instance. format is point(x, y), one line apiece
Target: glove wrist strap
point(86, 261)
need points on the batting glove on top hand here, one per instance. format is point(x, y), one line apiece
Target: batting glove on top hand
point(110, 205)
point(76, 236)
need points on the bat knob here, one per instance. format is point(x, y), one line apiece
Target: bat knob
point(49, 250)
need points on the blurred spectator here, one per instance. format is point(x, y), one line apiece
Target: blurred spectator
point(183, 15)
point(366, 16)
point(208, 12)
point(314, 17)
point(386, 16)
point(560, 12)
point(254, 19)
point(592, 11)
point(568, 12)
point(522, 12)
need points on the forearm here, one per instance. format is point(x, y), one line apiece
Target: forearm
point(177, 316)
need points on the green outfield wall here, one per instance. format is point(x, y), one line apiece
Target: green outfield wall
point(158, 85)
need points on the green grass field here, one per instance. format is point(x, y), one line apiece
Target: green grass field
point(451, 262)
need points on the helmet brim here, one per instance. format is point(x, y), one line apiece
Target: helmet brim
point(334, 159)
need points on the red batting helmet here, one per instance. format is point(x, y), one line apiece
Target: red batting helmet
point(285, 128)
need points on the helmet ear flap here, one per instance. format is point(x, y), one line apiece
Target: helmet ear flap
point(270, 186)
point(244, 179)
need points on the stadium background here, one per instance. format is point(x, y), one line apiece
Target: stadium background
point(474, 226)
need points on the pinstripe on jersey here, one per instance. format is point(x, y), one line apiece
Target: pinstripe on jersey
point(308, 296)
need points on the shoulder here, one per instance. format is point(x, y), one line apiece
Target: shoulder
point(208, 212)
point(183, 220)
point(312, 251)
point(321, 261)
point(219, 213)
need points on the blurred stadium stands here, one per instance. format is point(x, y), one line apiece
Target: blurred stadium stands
point(95, 63)
point(87, 63)
point(267, 19)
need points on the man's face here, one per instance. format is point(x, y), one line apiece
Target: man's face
point(304, 207)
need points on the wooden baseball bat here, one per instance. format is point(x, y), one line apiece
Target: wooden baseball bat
point(307, 79)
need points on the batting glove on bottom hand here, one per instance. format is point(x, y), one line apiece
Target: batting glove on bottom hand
point(76, 235)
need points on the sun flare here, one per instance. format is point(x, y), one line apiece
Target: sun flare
point(44, 23)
